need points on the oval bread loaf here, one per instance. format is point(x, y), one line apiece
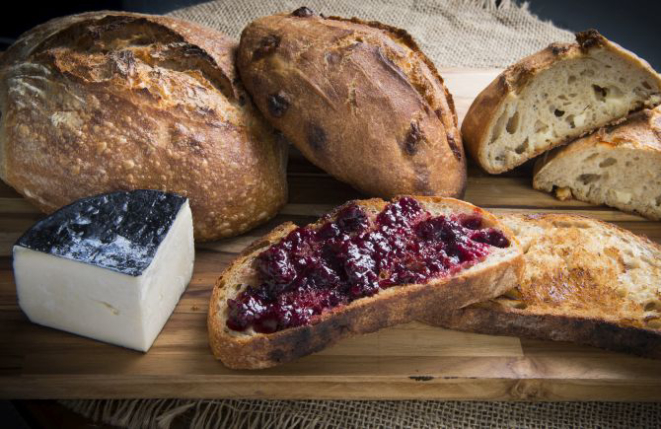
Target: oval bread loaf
point(109, 101)
point(554, 96)
point(619, 166)
point(358, 99)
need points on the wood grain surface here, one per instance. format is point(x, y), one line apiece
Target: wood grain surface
point(403, 362)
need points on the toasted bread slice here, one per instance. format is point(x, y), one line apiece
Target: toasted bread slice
point(485, 278)
point(584, 281)
point(619, 166)
point(556, 95)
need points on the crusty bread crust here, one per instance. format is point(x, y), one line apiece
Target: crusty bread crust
point(597, 315)
point(485, 319)
point(108, 101)
point(359, 99)
point(389, 307)
point(482, 114)
point(635, 144)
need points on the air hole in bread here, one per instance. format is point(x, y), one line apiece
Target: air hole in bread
point(511, 303)
point(570, 224)
point(570, 120)
point(571, 79)
point(622, 80)
point(588, 178)
point(522, 147)
point(652, 306)
point(653, 323)
point(628, 164)
point(658, 201)
point(591, 157)
point(607, 162)
point(587, 72)
point(558, 112)
point(540, 126)
point(498, 128)
point(512, 294)
point(513, 123)
point(562, 97)
point(600, 93)
point(237, 287)
point(646, 85)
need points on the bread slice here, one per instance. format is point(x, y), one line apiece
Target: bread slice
point(584, 281)
point(556, 95)
point(248, 349)
point(618, 166)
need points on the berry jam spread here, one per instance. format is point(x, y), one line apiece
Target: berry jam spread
point(314, 270)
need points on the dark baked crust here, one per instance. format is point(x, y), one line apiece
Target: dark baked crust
point(119, 101)
point(358, 99)
point(389, 307)
point(482, 318)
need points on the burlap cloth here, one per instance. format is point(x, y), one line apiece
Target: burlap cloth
point(463, 33)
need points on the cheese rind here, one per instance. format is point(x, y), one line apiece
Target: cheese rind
point(121, 231)
point(102, 302)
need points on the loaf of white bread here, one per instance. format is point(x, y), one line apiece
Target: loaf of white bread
point(554, 96)
point(563, 93)
point(108, 101)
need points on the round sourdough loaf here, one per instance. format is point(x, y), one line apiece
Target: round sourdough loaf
point(359, 99)
point(107, 101)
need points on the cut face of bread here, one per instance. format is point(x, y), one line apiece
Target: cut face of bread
point(555, 96)
point(584, 280)
point(366, 266)
point(618, 166)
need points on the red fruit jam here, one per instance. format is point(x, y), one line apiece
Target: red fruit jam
point(314, 270)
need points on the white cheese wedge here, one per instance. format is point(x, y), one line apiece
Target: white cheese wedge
point(111, 267)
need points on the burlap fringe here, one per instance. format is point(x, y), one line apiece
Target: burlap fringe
point(202, 414)
point(235, 414)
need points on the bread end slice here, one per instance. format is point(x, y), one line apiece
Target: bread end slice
point(554, 96)
point(619, 166)
point(398, 304)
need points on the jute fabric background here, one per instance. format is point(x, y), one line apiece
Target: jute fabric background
point(459, 33)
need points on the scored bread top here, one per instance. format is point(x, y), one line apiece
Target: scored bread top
point(396, 304)
point(359, 99)
point(553, 96)
point(577, 267)
point(107, 101)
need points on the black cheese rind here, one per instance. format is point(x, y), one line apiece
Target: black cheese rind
point(120, 231)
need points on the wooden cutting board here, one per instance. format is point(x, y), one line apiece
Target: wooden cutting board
point(408, 361)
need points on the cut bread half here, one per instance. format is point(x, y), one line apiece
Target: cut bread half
point(619, 166)
point(584, 281)
point(554, 96)
point(265, 308)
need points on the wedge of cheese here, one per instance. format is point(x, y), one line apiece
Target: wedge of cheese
point(110, 267)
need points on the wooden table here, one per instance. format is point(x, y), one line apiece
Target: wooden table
point(408, 361)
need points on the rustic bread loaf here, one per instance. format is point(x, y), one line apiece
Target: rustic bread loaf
point(358, 99)
point(584, 281)
point(257, 332)
point(553, 96)
point(109, 101)
point(619, 166)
